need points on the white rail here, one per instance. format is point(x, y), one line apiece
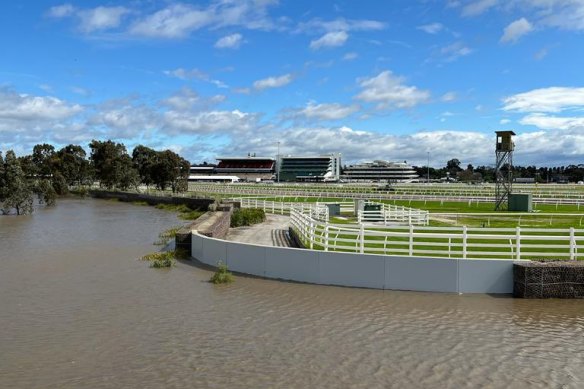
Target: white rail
point(452, 242)
point(389, 214)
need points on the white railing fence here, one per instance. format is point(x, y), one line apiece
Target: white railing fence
point(388, 214)
point(451, 242)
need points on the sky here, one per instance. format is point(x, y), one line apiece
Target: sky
point(393, 80)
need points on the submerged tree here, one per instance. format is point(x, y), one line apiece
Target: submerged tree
point(17, 193)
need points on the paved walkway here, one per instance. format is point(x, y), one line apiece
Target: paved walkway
point(273, 232)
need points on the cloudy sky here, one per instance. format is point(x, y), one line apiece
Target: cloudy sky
point(370, 79)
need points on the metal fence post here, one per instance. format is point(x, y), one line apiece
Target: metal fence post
point(311, 235)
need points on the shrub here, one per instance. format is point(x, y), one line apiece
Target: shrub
point(222, 275)
point(247, 217)
point(161, 259)
point(166, 236)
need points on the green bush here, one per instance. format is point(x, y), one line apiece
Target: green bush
point(247, 217)
point(166, 236)
point(222, 275)
point(161, 259)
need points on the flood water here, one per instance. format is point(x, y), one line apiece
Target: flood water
point(78, 310)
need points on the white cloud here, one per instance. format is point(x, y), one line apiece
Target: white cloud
point(232, 41)
point(350, 56)
point(175, 21)
point(504, 121)
point(187, 99)
point(125, 119)
point(478, 7)
point(340, 24)
point(273, 82)
point(553, 99)
point(180, 20)
point(546, 122)
point(92, 19)
point(349, 142)
point(224, 122)
point(433, 28)
point(454, 51)
point(23, 107)
point(330, 39)
point(194, 74)
point(514, 31)
point(333, 111)
point(389, 91)
point(448, 97)
point(61, 11)
point(563, 14)
point(101, 18)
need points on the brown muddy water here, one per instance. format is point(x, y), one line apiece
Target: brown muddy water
point(78, 310)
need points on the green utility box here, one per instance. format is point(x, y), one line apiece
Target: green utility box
point(334, 209)
point(372, 207)
point(521, 202)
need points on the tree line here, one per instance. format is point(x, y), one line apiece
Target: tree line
point(48, 173)
point(454, 170)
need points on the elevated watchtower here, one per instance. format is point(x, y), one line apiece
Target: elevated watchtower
point(503, 168)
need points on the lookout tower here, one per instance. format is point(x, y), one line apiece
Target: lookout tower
point(503, 168)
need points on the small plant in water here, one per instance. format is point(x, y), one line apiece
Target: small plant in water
point(222, 275)
point(166, 236)
point(160, 259)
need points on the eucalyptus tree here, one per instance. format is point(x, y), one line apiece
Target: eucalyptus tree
point(112, 165)
point(17, 192)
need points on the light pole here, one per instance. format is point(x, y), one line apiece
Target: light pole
point(428, 166)
point(278, 164)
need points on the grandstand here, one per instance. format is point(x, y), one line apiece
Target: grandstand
point(249, 168)
point(322, 168)
point(379, 171)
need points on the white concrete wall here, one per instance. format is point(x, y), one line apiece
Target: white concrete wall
point(358, 270)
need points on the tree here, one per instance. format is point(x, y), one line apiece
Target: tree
point(42, 157)
point(113, 166)
point(17, 194)
point(453, 167)
point(170, 170)
point(145, 159)
point(3, 189)
point(71, 162)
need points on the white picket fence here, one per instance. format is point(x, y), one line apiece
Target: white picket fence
point(451, 242)
point(388, 215)
point(391, 214)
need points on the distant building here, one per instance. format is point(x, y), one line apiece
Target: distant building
point(524, 180)
point(249, 168)
point(320, 168)
point(379, 171)
point(202, 170)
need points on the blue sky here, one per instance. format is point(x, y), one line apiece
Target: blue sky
point(387, 80)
